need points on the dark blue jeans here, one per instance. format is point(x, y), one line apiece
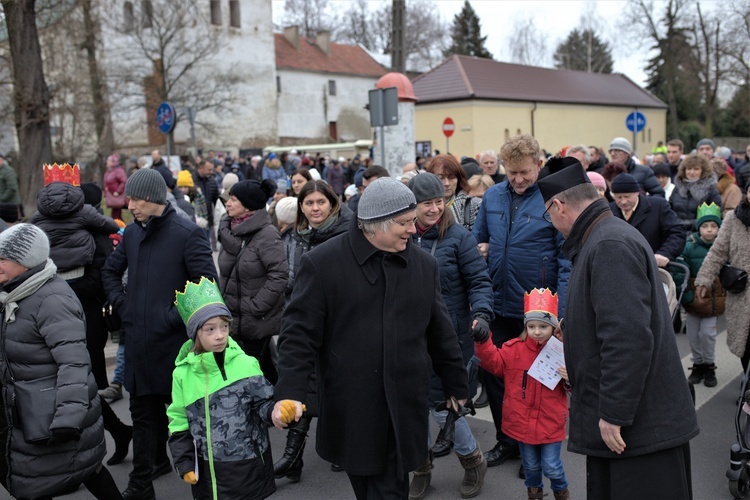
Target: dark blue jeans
point(543, 458)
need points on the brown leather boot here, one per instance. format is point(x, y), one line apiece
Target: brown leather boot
point(421, 480)
point(535, 493)
point(562, 495)
point(475, 467)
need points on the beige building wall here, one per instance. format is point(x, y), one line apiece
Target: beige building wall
point(484, 125)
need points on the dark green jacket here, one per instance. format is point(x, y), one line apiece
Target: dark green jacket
point(9, 185)
point(223, 410)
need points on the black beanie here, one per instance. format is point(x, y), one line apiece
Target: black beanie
point(253, 194)
point(92, 194)
point(9, 212)
point(624, 183)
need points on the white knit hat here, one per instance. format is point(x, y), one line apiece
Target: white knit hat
point(25, 244)
point(286, 210)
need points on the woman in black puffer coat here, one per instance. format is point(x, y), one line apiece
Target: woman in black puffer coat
point(695, 184)
point(253, 270)
point(43, 335)
point(320, 217)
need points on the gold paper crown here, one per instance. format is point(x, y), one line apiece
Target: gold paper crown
point(196, 297)
point(540, 300)
point(70, 174)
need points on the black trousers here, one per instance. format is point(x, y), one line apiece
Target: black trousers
point(389, 485)
point(150, 428)
point(659, 475)
point(503, 329)
point(261, 350)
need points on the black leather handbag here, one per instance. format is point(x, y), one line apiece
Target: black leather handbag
point(733, 279)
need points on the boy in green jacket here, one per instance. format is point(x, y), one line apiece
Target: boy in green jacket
point(221, 405)
point(702, 314)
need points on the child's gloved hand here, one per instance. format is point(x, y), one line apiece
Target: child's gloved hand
point(480, 330)
point(190, 478)
point(288, 411)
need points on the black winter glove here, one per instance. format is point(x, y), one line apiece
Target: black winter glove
point(481, 332)
point(455, 411)
point(63, 435)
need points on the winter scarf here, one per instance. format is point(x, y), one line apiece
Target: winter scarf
point(698, 189)
point(305, 234)
point(28, 287)
point(742, 212)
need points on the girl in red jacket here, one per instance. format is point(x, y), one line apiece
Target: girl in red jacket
point(533, 414)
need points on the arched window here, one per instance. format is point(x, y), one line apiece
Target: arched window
point(147, 13)
point(234, 14)
point(128, 17)
point(216, 12)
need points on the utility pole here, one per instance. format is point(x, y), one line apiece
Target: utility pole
point(398, 54)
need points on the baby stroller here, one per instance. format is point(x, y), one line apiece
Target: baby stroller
point(673, 297)
point(739, 455)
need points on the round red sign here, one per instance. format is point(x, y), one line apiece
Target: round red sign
point(448, 127)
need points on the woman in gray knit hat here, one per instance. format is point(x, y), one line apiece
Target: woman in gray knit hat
point(44, 346)
point(467, 290)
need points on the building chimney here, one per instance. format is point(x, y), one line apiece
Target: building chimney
point(291, 33)
point(323, 40)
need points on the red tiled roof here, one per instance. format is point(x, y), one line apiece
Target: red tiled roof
point(343, 59)
point(465, 77)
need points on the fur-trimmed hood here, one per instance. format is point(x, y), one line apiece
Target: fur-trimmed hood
point(724, 182)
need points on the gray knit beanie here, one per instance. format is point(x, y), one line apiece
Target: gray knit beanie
point(384, 199)
point(704, 142)
point(24, 244)
point(621, 144)
point(199, 317)
point(426, 186)
point(148, 185)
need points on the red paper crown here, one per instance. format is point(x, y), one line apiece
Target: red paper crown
point(69, 174)
point(542, 300)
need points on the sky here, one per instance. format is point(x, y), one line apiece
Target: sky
point(555, 18)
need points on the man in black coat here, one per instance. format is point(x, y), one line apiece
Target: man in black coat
point(631, 412)
point(367, 308)
point(161, 252)
point(652, 216)
point(205, 181)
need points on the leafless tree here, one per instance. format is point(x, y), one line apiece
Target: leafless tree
point(736, 46)
point(708, 39)
point(312, 16)
point(169, 49)
point(31, 97)
point(426, 35)
point(528, 43)
point(664, 33)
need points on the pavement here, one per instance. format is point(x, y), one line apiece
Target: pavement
point(710, 452)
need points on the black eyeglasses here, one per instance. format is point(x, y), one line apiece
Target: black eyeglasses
point(546, 215)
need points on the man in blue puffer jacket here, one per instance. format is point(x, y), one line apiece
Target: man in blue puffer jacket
point(524, 251)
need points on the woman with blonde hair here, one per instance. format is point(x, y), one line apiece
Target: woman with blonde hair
point(695, 184)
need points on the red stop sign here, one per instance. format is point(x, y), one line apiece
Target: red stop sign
point(448, 127)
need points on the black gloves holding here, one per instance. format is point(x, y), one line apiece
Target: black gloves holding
point(63, 435)
point(481, 332)
point(455, 411)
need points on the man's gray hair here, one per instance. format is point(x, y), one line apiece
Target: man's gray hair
point(578, 195)
point(580, 148)
point(370, 228)
point(488, 152)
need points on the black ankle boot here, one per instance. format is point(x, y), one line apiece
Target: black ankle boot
point(290, 464)
point(122, 436)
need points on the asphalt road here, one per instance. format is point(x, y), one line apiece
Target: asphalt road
point(710, 454)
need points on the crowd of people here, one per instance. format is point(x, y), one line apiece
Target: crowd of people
point(374, 301)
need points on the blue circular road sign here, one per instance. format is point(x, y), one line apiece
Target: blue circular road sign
point(636, 121)
point(166, 117)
